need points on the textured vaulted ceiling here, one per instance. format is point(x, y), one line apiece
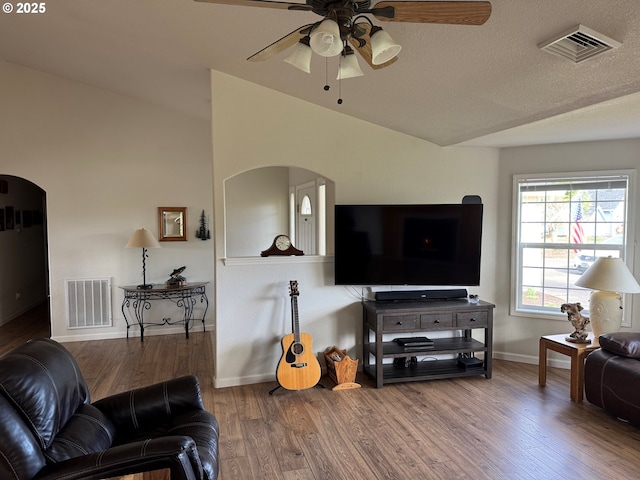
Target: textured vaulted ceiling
point(484, 85)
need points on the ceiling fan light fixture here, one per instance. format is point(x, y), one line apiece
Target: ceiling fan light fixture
point(325, 39)
point(383, 48)
point(349, 67)
point(300, 56)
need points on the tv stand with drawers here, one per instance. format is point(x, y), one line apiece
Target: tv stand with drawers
point(447, 358)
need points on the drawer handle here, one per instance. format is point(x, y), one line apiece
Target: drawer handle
point(398, 323)
point(472, 319)
point(437, 321)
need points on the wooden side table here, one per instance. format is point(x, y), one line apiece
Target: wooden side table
point(577, 351)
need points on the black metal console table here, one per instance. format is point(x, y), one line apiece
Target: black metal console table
point(138, 300)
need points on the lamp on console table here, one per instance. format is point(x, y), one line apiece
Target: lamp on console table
point(144, 239)
point(608, 277)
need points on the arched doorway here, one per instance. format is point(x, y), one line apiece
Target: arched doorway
point(24, 278)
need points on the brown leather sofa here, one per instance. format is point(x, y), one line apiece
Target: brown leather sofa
point(612, 375)
point(50, 430)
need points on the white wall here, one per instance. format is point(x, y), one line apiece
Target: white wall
point(253, 127)
point(106, 162)
point(516, 338)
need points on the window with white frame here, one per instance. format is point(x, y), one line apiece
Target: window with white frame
point(562, 223)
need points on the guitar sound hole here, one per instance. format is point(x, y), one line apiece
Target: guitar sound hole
point(297, 348)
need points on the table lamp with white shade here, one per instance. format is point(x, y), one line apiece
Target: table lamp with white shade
point(608, 277)
point(144, 239)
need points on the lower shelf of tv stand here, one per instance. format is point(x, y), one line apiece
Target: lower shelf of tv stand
point(424, 370)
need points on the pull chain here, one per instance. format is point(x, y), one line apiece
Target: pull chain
point(326, 74)
point(326, 78)
point(340, 81)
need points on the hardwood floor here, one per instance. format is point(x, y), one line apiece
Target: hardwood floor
point(32, 324)
point(472, 428)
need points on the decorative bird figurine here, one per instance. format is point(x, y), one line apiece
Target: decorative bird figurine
point(175, 275)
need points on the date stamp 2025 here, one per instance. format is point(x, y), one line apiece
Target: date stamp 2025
point(24, 7)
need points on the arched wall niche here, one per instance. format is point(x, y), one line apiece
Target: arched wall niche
point(258, 207)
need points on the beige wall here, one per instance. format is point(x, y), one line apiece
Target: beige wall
point(516, 338)
point(253, 127)
point(106, 162)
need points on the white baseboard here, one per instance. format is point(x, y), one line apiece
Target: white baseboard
point(134, 332)
point(511, 357)
point(249, 380)
point(551, 362)
point(270, 377)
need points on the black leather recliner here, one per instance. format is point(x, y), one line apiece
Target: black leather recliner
point(612, 375)
point(50, 430)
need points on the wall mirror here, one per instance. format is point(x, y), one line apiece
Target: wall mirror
point(172, 224)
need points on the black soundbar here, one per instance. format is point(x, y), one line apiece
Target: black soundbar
point(417, 295)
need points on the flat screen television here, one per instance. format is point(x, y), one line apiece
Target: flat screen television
point(425, 245)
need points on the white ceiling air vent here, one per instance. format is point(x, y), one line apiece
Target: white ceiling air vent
point(579, 44)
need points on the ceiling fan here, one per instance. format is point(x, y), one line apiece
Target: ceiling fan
point(345, 28)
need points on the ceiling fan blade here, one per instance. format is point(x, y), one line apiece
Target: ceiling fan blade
point(365, 50)
point(262, 4)
point(281, 45)
point(456, 13)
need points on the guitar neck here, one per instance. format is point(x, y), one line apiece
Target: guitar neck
point(295, 319)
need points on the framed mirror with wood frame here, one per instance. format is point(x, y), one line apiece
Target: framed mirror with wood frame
point(172, 224)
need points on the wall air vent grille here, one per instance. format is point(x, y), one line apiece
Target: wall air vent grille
point(88, 302)
point(579, 44)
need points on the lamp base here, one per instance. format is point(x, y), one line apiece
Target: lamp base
point(145, 286)
point(605, 312)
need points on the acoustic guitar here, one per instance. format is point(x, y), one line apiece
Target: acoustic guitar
point(298, 368)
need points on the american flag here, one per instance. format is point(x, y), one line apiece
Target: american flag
point(577, 233)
